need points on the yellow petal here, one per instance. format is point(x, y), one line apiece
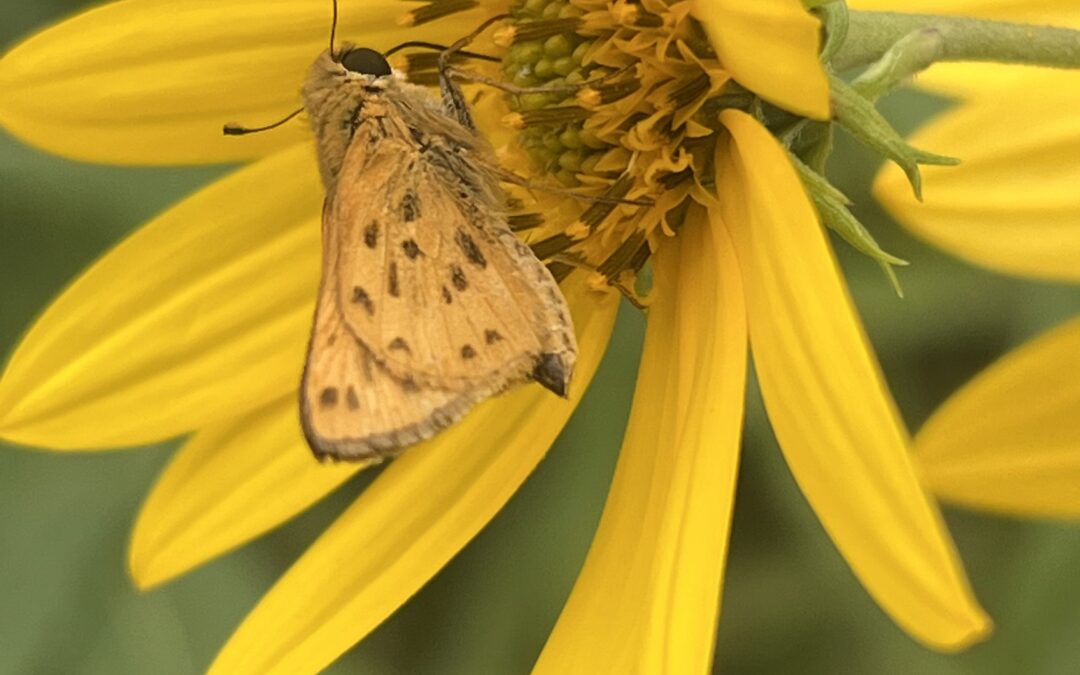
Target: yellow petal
point(416, 516)
point(148, 82)
point(791, 76)
point(648, 597)
point(1057, 12)
point(1010, 439)
point(1013, 204)
point(986, 80)
point(200, 315)
point(226, 486)
point(828, 403)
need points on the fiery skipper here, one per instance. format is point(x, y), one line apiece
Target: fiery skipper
point(428, 303)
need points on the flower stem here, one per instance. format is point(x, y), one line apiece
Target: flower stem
point(871, 34)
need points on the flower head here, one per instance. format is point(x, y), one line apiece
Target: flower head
point(196, 324)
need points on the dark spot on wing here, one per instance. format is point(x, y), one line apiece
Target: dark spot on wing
point(410, 206)
point(467, 352)
point(399, 344)
point(411, 248)
point(351, 399)
point(360, 297)
point(371, 234)
point(457, 276)
point(446, 296)
point(491, 336)
point(328, 397)
point(409, 384)
point(470, 249)
point(392, 281)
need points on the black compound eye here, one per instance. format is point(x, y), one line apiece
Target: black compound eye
point(365, 61)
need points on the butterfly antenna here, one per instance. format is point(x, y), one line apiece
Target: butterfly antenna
point(333, 28)
point(237, 130)
point(419, 44)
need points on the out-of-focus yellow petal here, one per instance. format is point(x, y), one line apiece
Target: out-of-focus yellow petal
point(419, 513)
point(987, 80)
point(770, 47)
point(827, 401)
point(150, 82)
point(226, 486)
point(199, 316)
point(648, 597)
point(1010, 439)
point(1056, 12)
point(1014, 203)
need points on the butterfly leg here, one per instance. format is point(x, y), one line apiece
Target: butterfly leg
point(452, 96)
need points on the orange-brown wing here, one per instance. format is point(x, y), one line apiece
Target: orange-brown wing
point(351, 406)
point(436, 286)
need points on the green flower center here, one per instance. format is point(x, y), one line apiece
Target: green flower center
point(617, 100)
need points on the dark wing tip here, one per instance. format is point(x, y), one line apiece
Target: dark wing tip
point(552, 374)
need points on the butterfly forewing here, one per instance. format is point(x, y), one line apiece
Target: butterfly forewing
point(438, 289)
point(428, 302)
point(351, 407)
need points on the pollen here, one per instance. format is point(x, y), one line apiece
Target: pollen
point(619, 101)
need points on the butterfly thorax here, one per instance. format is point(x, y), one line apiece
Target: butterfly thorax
point(342, 104)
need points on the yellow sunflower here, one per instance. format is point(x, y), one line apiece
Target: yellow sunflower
point(196, 324)
point(1009, 441)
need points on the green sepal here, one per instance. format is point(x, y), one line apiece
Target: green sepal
point(864, 122)
point(831, 205)
point(811, 141)
point(912, 54)
point(834, 17)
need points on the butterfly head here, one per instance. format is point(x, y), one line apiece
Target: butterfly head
point(364, 61)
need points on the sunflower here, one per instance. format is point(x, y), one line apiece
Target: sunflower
point(197, 322)
point(1007, 441)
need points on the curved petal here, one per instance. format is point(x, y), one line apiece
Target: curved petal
point(226, 486)
point(416, 516)
point(792, 77)
point(986, 80)
point(1013, 204)
point(200, 315)
point(1010, 439)
point(648, 597)
point(152, 82)
point(828, 403)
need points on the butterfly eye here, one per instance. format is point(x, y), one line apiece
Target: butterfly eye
point(365, 61)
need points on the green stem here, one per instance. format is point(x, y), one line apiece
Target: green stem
point(871, 34)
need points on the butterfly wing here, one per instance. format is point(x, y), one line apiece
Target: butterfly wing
point(351, 406)
point(428, 302)
point(434, 283)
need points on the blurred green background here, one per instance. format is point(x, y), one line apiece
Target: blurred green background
point(790, 603)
